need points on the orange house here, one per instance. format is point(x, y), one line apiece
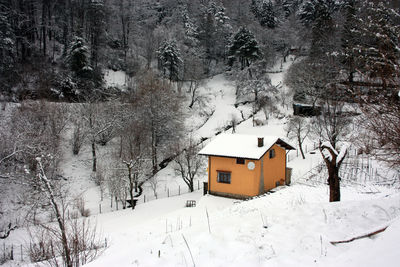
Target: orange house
point(242, 166)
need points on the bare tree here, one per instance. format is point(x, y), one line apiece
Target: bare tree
point(188, 164)
point(101, 119)
point(116, 183)
point(383, 129)
point(332, 127)
point(298, 129)
point(75, 243)
point(333, 160)
point(154, 182)
point(78, 137)
point(161, 112)
point(48, 189)
point(309, 79)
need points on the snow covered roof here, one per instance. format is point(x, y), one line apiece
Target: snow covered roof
point(242, 146)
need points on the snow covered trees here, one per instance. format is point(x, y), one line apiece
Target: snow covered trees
point(244, 47)
point(215, 30)
point(374, 59)
point(169, 60)
point(162, 115)
point(265, 13)
point(7, 41)
point(377, 52)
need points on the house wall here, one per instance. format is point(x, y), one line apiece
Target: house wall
point(244, 182)
point(274, 169)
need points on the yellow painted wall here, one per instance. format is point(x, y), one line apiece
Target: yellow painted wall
point(244, 182)
point(274, 169)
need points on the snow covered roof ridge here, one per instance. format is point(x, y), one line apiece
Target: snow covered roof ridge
point(242, 146)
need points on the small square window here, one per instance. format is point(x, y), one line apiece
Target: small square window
point(240, 161)
point(272, 153)
point(224, 177)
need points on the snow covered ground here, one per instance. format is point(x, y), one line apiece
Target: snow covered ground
point(291, 227)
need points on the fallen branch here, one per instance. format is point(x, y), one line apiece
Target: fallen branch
point(360, 236)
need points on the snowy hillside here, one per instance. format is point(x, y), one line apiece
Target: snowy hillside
point(292, 226)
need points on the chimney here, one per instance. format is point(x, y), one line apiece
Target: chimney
point(260, 141)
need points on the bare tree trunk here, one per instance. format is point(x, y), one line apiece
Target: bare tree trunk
point(60, 219)
point(94, 156)
point(300, 146)
point(334, 182)
point(131, 186)
point(154, 151)
point(333, 171)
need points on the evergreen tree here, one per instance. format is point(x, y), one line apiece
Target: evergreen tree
point(318, 14)
point(169, 60)
point(267, 16)
point(78, 57)
point(265, 13)
point(311, 10)
point(244, 47)
point(215, 32)
point(254, 7)
point(289, 7)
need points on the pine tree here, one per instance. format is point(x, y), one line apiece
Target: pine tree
point(311, 10)
point(318, 14)
point(290, 6)
point(215, 32)
point(169, 60)
point(265, 13)
point(267, 16)
point(244, 47)
point(78, 57)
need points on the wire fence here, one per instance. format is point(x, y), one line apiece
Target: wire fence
point(356, 169)
point(151, 195)
point(168, 192)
